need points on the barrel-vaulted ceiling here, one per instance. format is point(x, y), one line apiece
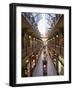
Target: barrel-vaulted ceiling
point(54, 23)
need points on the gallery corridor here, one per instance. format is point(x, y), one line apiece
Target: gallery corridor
point(38, 71)
point(42, 44)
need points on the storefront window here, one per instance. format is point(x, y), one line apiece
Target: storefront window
point(33, 63)
point(61, 68)
point(26, 68)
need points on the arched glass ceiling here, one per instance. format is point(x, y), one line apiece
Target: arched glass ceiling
point(43, 21)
